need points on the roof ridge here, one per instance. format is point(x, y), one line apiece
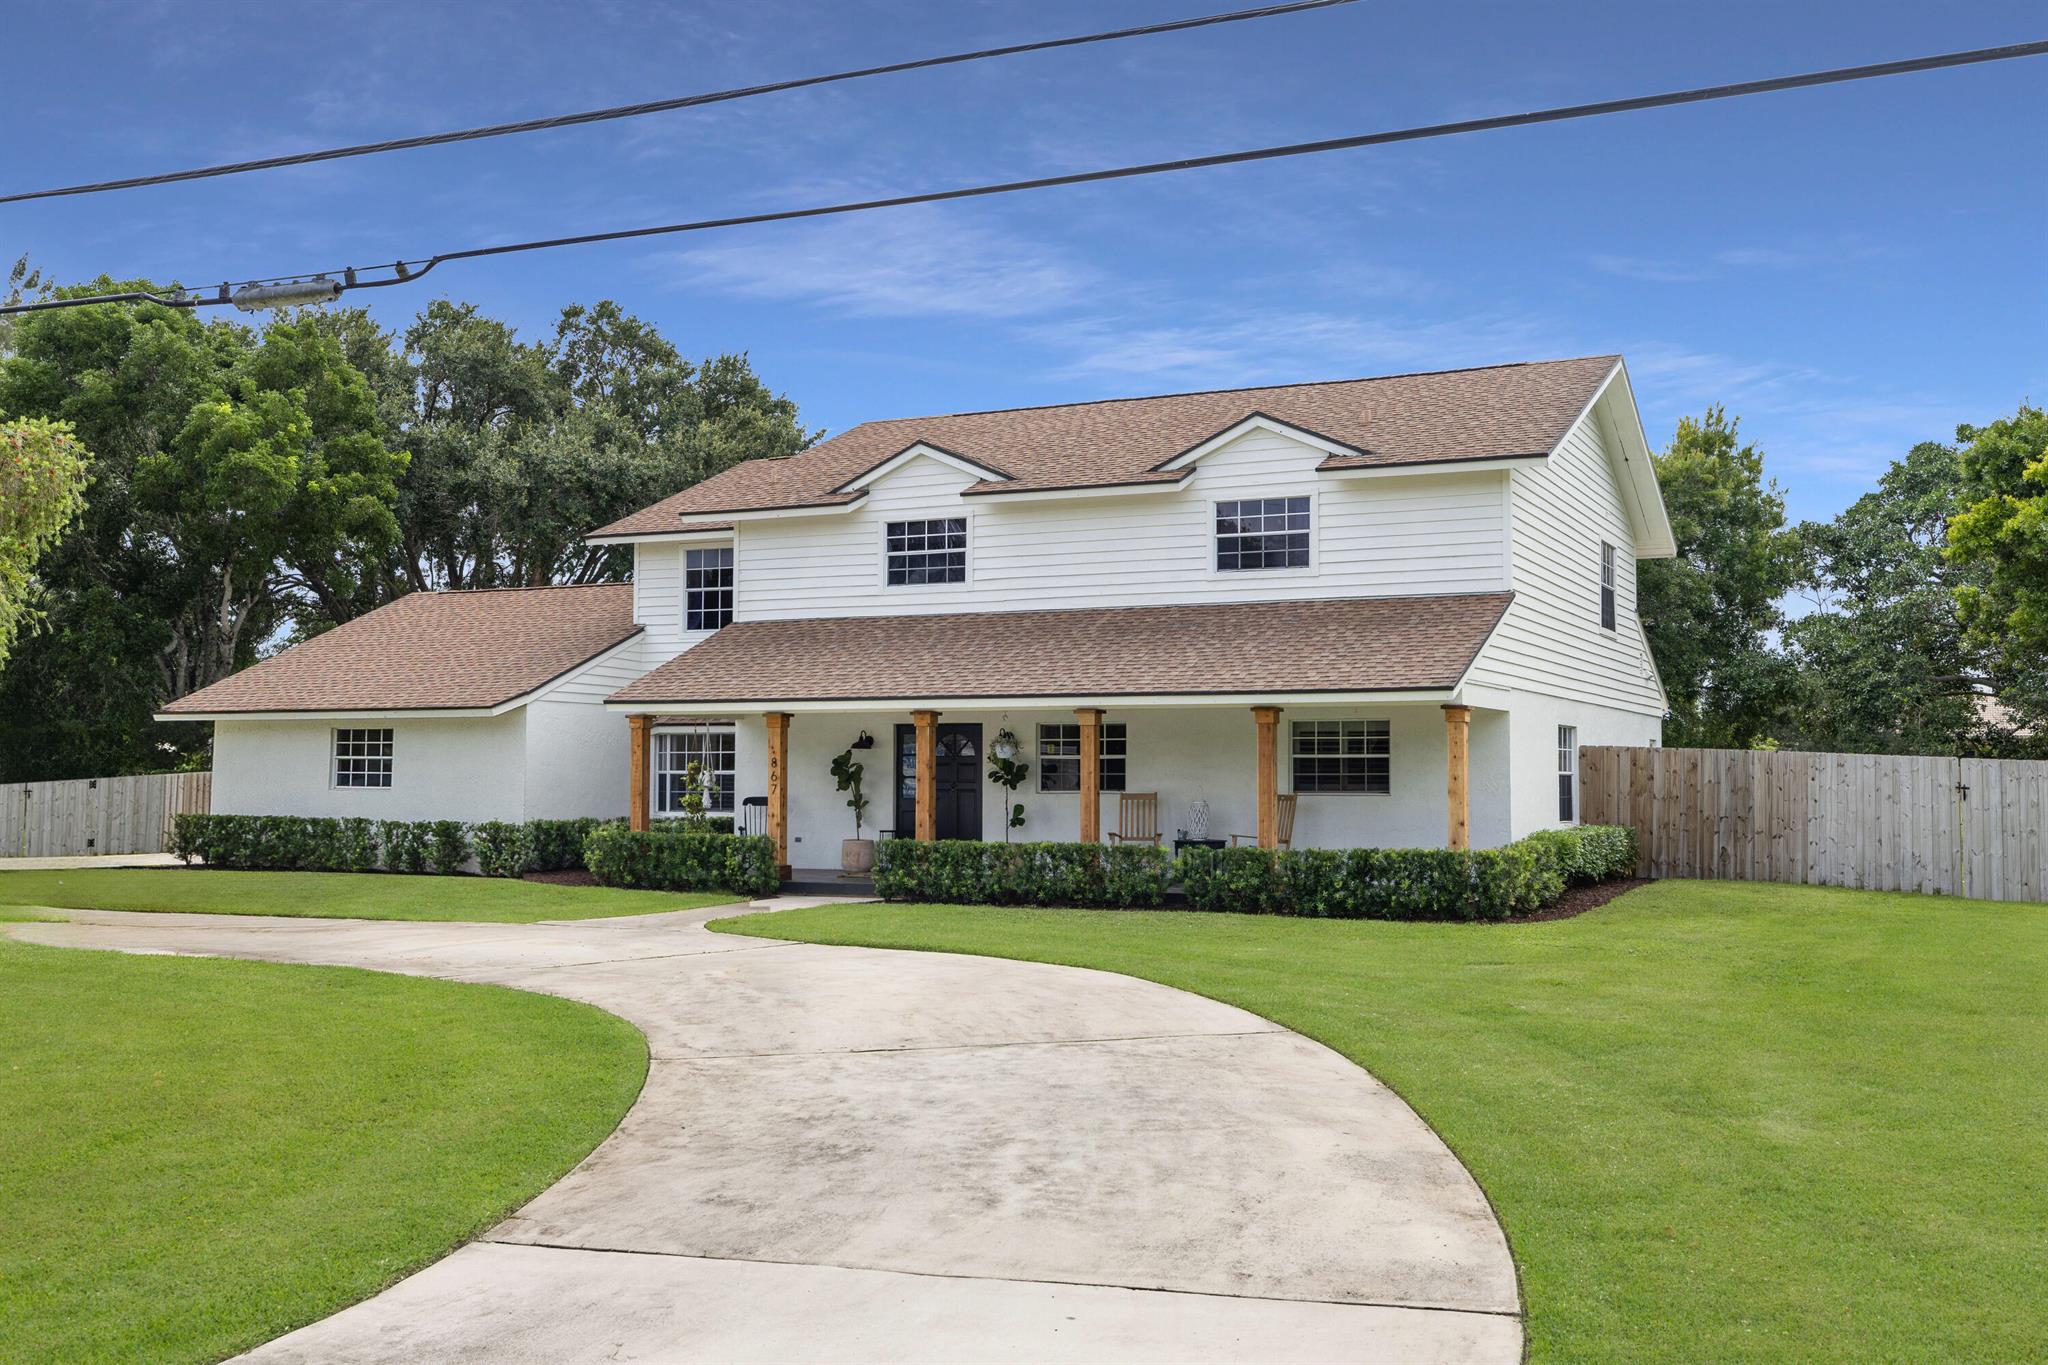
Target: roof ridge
point(537, 587)
point(1216, 393)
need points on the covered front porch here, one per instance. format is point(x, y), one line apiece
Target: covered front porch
point(1331, 723)
point(1389, 772)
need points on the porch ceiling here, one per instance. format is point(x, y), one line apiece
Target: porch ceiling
point(1263, 650)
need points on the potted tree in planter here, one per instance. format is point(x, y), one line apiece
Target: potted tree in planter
point(856, 855)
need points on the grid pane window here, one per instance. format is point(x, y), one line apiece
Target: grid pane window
point(1343, 756)
point(1567, 773)
point(933, 551)
point(707, 589)
point(1059, 757)
point(362, 758)
point(710, 747)
point(1607, 587)
point(1262, 533)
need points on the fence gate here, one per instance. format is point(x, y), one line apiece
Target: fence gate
point(90, 815)
point(1878, 822)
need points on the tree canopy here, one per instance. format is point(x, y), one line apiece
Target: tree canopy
point(1710, 611)
point(249, 487)
point(42, 487)
point(2002, 533)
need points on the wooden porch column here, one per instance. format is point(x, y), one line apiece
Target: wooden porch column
point(641, 728)
point(1091, 773)
point(927, 723)
point(1457, 760)
point(1268, 720)
point(778, 787)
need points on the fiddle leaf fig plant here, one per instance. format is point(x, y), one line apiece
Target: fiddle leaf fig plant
point(846, 772)
point(1008, 773)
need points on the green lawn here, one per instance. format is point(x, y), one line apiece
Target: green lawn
point(200, 1155)
point(1720, 1121)
point(339, 895)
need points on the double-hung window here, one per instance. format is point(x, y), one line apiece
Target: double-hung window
point(1343, 756)
point(1262, 533)
point(362, 758)
point(1568, 773)
point(931, 551)
point(707, 588)
point(1606, 586)
point(1059, 757)
point(710, 748)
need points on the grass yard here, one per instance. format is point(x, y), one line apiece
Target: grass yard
point(203, 1154)
point(337, 895)
point(1720, 1121)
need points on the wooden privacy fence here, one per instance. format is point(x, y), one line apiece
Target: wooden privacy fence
point(97, 814)
point(1879, 822)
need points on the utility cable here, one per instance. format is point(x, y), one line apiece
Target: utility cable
point(622, 111)
point(324, 286)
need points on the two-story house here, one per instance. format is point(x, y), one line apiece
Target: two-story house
point(1402, 602)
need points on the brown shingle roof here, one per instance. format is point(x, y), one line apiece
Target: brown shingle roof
point(1364, 644)
point(432, 650)
point(1401, 419)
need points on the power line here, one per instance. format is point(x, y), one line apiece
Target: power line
point(664, 106)
point(408, 270)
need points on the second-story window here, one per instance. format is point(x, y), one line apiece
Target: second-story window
point(933, 551)
point(707, 589)
point(1606, 586)
point(1262, 533)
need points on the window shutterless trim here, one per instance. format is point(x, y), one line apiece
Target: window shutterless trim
point(1568, 773)
point(1608, 577)
point(360, 758)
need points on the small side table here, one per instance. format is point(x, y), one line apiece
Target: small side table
point(1180, 845)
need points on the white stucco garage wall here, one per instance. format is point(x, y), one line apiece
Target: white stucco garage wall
point(1533, 756)
point(578, 761)
point(467, 768)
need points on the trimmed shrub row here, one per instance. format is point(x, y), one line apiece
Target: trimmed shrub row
point(504, 849)
point(1354, 883)
point(969, 872)
point(294, 843)
point(664, 861)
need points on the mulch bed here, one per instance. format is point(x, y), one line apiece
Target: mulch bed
point(1578, 900)
point(575, 876)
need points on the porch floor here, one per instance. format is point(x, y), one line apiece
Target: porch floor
point(826, 881)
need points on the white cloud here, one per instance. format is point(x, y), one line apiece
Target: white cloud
point(907, 263)
point(1651, 272)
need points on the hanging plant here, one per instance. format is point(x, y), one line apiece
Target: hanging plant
point(1006, 772)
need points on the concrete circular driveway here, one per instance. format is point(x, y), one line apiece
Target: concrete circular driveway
point(854, 1154)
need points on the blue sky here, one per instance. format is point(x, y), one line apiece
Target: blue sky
point(1850, 270)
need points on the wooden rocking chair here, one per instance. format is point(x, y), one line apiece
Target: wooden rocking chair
point(1137, 819)
point(1286, 831)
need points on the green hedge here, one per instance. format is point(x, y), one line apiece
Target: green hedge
point(1407, 883)
point(295, 843)
point(661, 861)
point(969, 872)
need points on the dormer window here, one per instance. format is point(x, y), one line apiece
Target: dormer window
point(933, 551)
point(1262, 533)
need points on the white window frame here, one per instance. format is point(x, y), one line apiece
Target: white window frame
point(1370, 728)
point(1315, 523)
point(672, 758)
point(1610, 588)
point(365, 744)
point(1108, 747)
point(731, 590)
point(1568, 774)
point(966, 551)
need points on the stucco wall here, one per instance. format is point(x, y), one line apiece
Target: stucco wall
point(1533, 756)
point(578, 760)
point(442, 769)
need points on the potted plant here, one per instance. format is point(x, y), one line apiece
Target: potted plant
point(856, 855)
point(1006, 772)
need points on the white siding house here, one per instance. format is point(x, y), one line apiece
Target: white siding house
point(1356, 571)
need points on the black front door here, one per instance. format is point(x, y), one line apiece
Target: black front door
point(957, 790)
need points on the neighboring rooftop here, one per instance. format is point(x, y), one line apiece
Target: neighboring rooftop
point(432, 651)
point(1369, 644)
point(1448, 415)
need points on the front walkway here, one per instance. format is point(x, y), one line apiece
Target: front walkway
point(845, 1153)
